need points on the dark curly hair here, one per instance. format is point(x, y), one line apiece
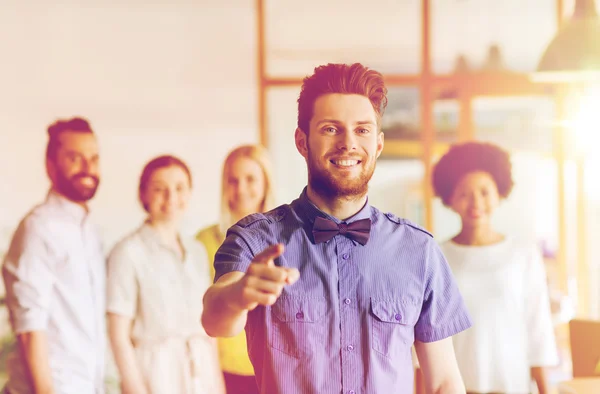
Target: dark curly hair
point(465, 158)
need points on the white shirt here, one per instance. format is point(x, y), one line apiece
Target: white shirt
point(162, 294)
point(54, 273)
point(504, 288)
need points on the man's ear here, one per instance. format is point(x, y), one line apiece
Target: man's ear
point(379, 143)
point(301, 139)
point(51, 169)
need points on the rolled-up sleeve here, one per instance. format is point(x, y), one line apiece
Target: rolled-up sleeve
point(122, 285)
point(444, 312)
point(29, 278)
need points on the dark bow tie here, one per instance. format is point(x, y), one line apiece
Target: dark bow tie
point(325, 229)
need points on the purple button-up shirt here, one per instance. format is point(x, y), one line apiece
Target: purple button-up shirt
point(348, 324)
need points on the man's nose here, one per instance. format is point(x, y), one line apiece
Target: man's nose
point(346, 141)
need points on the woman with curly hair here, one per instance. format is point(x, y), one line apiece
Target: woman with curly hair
point(501, 278)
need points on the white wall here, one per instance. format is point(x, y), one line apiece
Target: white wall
point(161, 77)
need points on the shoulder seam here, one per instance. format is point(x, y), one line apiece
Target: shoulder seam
point(248, 221)
point(401, 221)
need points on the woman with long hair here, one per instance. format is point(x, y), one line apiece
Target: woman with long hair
point(247, 188)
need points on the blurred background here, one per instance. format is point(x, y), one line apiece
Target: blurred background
point(196, 78)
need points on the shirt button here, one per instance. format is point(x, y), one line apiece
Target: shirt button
point(347, 301)
point(345, 256)
point(398, 317)
point(350, 348)
point(299, 315)
point(351, 392)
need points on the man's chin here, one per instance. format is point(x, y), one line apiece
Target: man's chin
point(350, 185)
point(81, 196)
point(340, 189)
point(83, 199)
point(351, 194)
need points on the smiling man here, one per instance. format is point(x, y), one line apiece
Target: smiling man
point(332, 292)
point(54, 273)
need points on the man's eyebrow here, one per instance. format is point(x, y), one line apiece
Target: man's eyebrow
point(329, 121)
point(337, 122)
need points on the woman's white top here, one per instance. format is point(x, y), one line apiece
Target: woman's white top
point(150, 284)
point(504, 288)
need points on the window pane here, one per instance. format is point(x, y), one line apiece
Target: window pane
point(518, 123)
point(396, 187)
point(383, 34)
point(288, 165)
point(520, 29)
point(446, 113)
point(402, 117)
point(402, 122)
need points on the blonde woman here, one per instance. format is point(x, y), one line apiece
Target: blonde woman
point(246, 188)
point(156, 281)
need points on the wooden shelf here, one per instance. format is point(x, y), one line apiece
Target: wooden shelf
point(474, 84)
point(404, 149)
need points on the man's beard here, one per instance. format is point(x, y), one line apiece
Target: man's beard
point(328, 186)
point(70, 187)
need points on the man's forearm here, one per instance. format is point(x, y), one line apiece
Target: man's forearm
point(219, 317)
point(34, 348)
point(227, 302)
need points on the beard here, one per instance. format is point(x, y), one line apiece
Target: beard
point(327, 185)
point(73, 190)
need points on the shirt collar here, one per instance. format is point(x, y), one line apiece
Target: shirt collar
point(74, 210)
point(151, 237)
point(310, 211)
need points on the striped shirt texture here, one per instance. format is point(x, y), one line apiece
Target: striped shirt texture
point(348, 324)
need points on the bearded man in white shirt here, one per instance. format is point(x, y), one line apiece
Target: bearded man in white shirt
point(54, 274)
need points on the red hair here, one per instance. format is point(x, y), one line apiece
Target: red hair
point(344, 79)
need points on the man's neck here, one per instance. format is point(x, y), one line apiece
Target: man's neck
point(341, 207)
point(83, 205)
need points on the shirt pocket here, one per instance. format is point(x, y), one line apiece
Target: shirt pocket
point(299, 325)
point(393, 326)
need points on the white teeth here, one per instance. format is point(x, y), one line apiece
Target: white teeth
point(88, 181)
point(346, 163)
